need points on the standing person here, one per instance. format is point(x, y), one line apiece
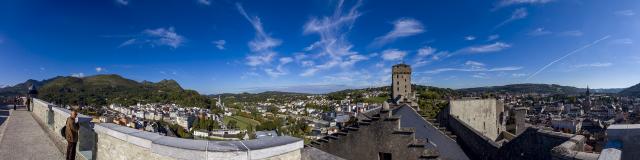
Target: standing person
point(72, 135)
point(15, 103)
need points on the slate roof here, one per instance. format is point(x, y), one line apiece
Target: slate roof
point(447, 147)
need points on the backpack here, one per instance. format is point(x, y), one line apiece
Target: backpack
point(63, 132)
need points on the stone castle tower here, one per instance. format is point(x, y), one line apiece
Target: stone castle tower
point(401, 84)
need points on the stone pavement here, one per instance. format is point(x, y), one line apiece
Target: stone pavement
point(23, 138)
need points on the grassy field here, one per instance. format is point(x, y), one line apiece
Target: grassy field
point(243, 123)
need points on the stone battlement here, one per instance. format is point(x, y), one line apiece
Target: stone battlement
point(380, 132)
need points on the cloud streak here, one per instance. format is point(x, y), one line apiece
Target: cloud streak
point(220, 44)
point(404, 27)
point(333, 49)
point(519, 13)
point(504, 3)
point(539, 32)
point(567, 55)
point(597, 64)
point(262, 45)
point(627, 12)
point(495, 47)
point(156, 37)
point(393, 54)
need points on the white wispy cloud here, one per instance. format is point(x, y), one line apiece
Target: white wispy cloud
point(622, 41)
point(78, 75)
point(219, 44)
point(403, 27)
point(249, 74)
point(518, 74)
point(627, 12)
point(99, 69)
point(574, 33)
point(597, 64)
point(428, 54)
point(474, 69)
point(495, 47)
point(123, 2)
point(567, 55)
point(504, 3)
point(157, 37)
point(519, 13)
point(539, 32)
point(393, 54)
point(204, 2)
point(279, 70)
point(480, 75)
point(426, 51)
point(262, 44)
point(474, 64)
point(332, 49)
point(470, 38)
point(493, 37)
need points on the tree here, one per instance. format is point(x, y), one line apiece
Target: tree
point(232, 124)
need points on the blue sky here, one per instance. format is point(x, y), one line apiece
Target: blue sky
point(216, 46)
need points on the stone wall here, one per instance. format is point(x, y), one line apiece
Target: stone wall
point(628, 136)
point(532, 144)
point(465, 117)
point(471, 141)
point(111, 141)
point(484, 115)
point(53, 119)
point(118, 142)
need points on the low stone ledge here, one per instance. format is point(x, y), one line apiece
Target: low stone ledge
point(610, 154)
point(201, 149)
point(269, 147)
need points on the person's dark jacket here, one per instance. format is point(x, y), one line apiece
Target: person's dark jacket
point(72, 130)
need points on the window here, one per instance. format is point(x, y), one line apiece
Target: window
point(384, 156)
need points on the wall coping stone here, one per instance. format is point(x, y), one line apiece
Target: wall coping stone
point(66, 113)
point(268, 142)
point(610, 154)
point(197, 149)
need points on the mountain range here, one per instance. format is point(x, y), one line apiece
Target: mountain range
point(109, 88)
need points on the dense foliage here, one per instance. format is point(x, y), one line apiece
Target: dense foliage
point(205, 124)
point(107, 89)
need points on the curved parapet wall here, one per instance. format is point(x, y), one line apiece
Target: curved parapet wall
point(119, 142)
point(111, 141)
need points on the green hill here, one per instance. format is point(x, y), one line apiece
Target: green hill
point(633, 91)
point(107, 89)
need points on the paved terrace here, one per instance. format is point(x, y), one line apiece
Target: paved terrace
point(35, 135)
point(22, 138)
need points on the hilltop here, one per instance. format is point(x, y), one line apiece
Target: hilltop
point(631, 91)
point(527, 88)
point(109, 88)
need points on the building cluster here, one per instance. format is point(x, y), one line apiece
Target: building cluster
point(147, 117)
point(524, 126)
point(586, 114)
